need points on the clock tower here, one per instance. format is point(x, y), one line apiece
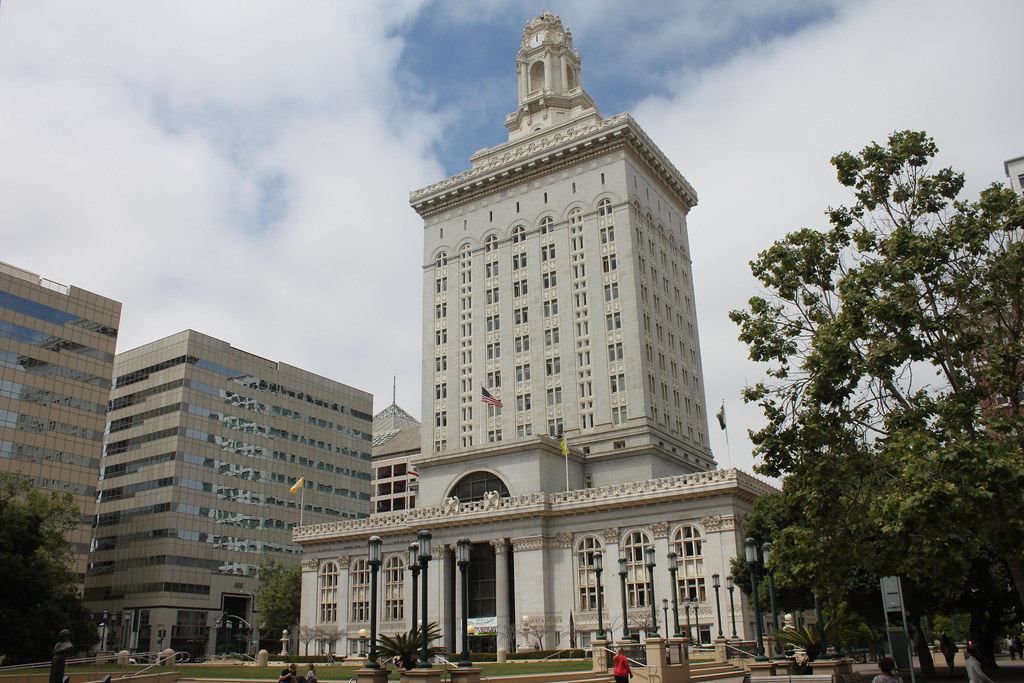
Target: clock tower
point(548, 71)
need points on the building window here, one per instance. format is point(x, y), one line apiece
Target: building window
point(611, 291)
point(549, 280)
point(523, 403)
point(442, 260)
point(523, 373)
point(493, 351)
point(547, 252)
point(550, 308)
point(575, 218)
point(519, 288)
point(553, 366)
point(604, 208)
point(491, 269)
point(518, 234)
point(520, 316)
point(522, 344)
point(473, 486)
point(615, 351)
point(328, 592)
point(547, 224)
point(492, 323)
point(492, 295)
point(586, 577)
point(619, 415)
point(554, 396)
point(688, 544)
point(359, 576)
point(518, 261)
point(394, 589)
point(638, 589)
point(491, 243)
point(555, 427)
point(609, 263)
point(618, 383)
point(614, 321)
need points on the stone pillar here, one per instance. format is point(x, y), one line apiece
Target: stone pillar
point(465, 675)
point(532, 595)
point(371, 676)
point(657, 663)
point(262, 658)
point(612, 585)
point(423, 675)
point(445, 602)
point(599, 656)
point(721, 650)
point(501, 587)
point(832, 666)
point(763, 668)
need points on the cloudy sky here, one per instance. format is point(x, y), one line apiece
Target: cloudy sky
point(242, 167)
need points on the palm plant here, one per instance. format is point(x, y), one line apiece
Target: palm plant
point(404, 648)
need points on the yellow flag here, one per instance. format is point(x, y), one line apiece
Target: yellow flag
point(565, 447)
point(297, 485)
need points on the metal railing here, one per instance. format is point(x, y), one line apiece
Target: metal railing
point(113, 659)
point(741, 649)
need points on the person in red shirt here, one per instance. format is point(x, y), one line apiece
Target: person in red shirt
point(622, 672)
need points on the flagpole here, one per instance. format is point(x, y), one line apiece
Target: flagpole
point(302, 502)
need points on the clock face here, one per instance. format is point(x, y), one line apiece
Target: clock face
point(537, 39)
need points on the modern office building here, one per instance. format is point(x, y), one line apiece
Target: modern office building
point(212, 456)
point(1014, 169)
point(396, 447)
point(57, 344)
point(563, 396)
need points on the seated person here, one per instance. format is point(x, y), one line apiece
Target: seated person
point(289, 676)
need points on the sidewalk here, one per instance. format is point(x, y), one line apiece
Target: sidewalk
point(1008, 672)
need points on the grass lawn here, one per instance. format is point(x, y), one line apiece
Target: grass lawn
point(335, 672)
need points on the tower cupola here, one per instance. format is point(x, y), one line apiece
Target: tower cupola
point(548, 71)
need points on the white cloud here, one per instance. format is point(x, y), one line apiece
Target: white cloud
point(140, 140)
point(754, 136)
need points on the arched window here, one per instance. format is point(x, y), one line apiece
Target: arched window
point(586, 577)
point(604, 208)
point(518, 234)
point(359, 579)
point(547, 224)
point(637, 587)
point(473, 487)
point(465, 253)
point(689, 546)
point(491, 243)
point(328, 592)
point(442, 260)
point(575, 219)
point(394, 588)
point(536, 76)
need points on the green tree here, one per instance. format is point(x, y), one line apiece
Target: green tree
point(41, 595)
point(894, 341)
point(278, 595)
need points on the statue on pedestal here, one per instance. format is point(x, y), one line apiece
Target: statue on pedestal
point(61, 652)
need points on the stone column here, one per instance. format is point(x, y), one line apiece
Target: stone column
point(530, 556)
point(501, 588)
point(612, 585)
point(443, 571)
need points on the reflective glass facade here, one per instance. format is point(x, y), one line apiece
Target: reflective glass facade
point(204, 444)
point(56, 364)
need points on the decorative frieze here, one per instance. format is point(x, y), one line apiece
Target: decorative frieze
point(659, 529)
point(454, 512)
point(311, 565)
point(719, 523)
point(500, 545)
point(611, 534)
point(562, 541)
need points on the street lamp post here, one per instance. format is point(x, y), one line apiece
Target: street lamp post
point(717, 583)
point(664, 610)
point(374, 562)
point(649, 562)
point(414, 568)
point(424, 557)
point(598, 571)
point(696, 618)
point(463, 546)
point(625, 614)
point(362, 642)
point(689, 627)
point(752, 563)
point(673, 567)
point(766, 552)
point(731, 587)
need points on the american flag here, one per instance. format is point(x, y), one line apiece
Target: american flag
point(487, 398)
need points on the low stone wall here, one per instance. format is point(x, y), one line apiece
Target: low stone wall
point(43, 676)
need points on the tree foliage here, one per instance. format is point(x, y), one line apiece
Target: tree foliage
point(894, 344)
point(42, 594)
point(278, 596)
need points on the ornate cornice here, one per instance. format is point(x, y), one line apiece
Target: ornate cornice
point(611, 534)
point(500, 545)
point(719, 523)
point(311, 565)
point(623, 496)
point(511, 161)
point(562, 541)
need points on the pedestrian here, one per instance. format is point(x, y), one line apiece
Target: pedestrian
point(622, 671)
point(1018, 646)
point(887, 665)
point(973, 666)
point(311, 674)
point(288, 675)
point(949, 651)
point(1011, 647)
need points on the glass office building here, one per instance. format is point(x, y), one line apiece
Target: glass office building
point(57, 348)
point(212, 456)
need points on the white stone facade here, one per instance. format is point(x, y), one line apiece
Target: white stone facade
point(557, 277)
